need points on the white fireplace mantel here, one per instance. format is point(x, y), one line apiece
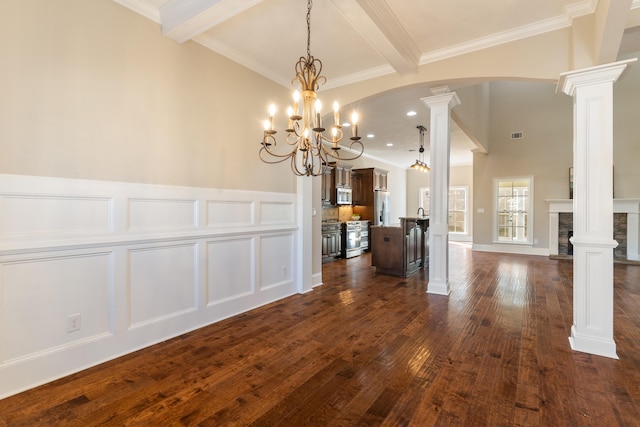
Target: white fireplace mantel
point(629, 206)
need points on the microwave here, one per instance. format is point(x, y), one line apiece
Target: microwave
point(344, 196)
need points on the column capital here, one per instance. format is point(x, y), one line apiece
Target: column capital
point(447, 98)
point(607, 73)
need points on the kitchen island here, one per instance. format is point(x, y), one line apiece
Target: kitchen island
point(400, 250)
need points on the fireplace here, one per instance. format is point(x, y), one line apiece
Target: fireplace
point(565, 232)
point(626, 228)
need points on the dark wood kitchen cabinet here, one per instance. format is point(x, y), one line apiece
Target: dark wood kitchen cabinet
point(400, 251)
point(342, 176)
point(328, 188)
point(333, 178)
point(387, 250)
point(331, 240)
point(365, 182)
point(414, 249)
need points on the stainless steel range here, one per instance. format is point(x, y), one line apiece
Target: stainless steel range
point(351, 239)
point(364, 236)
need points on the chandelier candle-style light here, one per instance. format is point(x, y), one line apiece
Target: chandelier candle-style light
point(420, 164)
point(310, 150)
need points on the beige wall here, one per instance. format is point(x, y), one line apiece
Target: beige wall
point(92, 90)
point(546, 151)
point(415, 180)
point(472, 115)
point(626, 134)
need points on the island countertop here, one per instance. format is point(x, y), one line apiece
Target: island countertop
point(416, 218)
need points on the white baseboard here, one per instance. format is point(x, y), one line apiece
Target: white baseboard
point(511, 249)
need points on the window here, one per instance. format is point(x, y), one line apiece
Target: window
point(513, 210)
point(458, 202)
point(458, 210)
point(424, 200)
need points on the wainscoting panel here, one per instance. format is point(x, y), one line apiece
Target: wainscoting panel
point(39, 296)
point(230, 271)
point(31, 214)
point(92, 270)
point(162, 282)
point(277, 213)
point(158, 214)
point(277, 260)
point(225, 213)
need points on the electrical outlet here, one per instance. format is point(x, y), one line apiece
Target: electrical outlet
point(74, 322)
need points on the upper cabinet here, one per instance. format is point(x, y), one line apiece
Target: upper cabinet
point(328, 188)
point(342, 176)
point(334, 178)
point(365, 182)
point(379, 179)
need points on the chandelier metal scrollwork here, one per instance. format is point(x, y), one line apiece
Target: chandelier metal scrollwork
point(307, 146)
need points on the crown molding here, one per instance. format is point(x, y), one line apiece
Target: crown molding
point(552, 24)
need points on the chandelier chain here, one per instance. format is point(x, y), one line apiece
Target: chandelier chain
point(309, 4)
point(308, 148)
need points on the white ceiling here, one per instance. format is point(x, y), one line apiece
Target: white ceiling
point(361, 39)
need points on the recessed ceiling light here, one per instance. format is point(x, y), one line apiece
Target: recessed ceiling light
point(411, 113)
point(346, 124)
point(389, 144)
point(370, 135)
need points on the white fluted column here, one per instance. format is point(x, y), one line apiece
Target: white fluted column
point(440, 105)
point(593, 244)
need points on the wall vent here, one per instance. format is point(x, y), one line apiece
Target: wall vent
point(516, 135)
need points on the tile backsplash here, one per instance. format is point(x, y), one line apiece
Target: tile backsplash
point(338, 213)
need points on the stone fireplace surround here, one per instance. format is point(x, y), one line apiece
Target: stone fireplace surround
point(626, 227)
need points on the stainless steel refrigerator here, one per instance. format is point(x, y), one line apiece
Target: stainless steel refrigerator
point(381, 207)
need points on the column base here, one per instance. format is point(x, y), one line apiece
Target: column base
point(438, 288)
point(592, 345)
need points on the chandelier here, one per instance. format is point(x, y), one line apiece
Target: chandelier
point(310, 150)
point(420, 164)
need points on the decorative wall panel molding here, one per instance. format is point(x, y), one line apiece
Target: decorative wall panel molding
point(230, 272)
point(161, 283)
point(222, 214)
point(92, 270)
point(27, 214)
point(277, 256)
point(276, 213)
point(159, 214)
point(39, 294)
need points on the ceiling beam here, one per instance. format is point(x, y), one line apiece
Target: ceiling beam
point(182, 20)
point(377, 24)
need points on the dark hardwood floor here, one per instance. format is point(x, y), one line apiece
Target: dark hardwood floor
point(367, 349)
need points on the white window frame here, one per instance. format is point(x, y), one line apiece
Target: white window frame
point(530, 211)
point(423, 191)
point(466, 209)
